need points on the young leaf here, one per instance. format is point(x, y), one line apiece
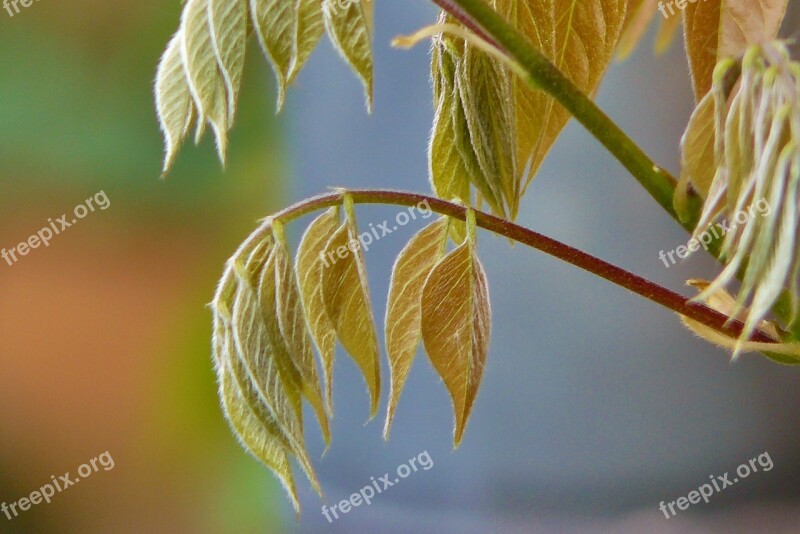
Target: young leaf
point(717, 29)
point(274, 21)
point(309, 263)
point(200, 62)
point(227, 21)
point(697, 155)
point(638, 17)
point(308, 30)
point(173, 100)
point(456, 322)
point(346, 298)
point(264, 370)
point(404, 305)
point(292, 322)
point(254, 437)
point(350, 28)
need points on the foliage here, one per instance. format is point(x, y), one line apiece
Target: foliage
point(507, 76)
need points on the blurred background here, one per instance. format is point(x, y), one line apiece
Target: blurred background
point(595, 405)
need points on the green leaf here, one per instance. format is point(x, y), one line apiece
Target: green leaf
point(456, 323)
point(228, 25)
point(309, 276)
point(173, 100)
point(206, 82)
point(265, 371)
point(404, 306)
point(346, 297)
point(308, 30)
point(350, 28)
point(292, 321)
point(274, 21)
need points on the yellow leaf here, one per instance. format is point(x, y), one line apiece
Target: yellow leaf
point(292, 321)
point(512, 127)
point(309, 275)
point(456, 322)
point(346, 298)
point(404, 305)
point(350, 28)
point(697, 155)
point(717, 29)
point(308, 30)
point(638, 17)
point(274, 21)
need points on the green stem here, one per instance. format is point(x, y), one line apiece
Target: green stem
point(525, 236)
point(542, 74)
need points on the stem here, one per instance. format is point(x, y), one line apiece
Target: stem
point(616, 275)
point(542, 74)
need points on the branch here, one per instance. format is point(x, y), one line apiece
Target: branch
point(616, 275)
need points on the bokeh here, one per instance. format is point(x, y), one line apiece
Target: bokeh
point(595, 405)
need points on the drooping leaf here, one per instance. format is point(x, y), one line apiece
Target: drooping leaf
point(638, 17)
point(206, 82)
point(404, 305)
point(350, 28)
point(228, 26)
point(511, 126)
point(346, 297)
point(173, 100)
point(292, 322)
point(697, 155)
point(254, 437)
point(717, 29)
point(456, 322)
point(274, 21)
point(310, 255)
point(308, 31)
point(264, 379)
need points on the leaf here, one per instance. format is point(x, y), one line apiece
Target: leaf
point(173, 100)
point(254, 438)
point(275, 27)
point(511, 126)
point(449, 168)
point(717, 29)
point(292, 322)
point(346, 298)
point(403, 311)
point(206, 82)
point(456, 323)
point(697, 155)
point(258, 367)
point(309, 276)
point(308, 30)
point(485, 89)
point(228, 26)
point(586, 35)
point(350, 28)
